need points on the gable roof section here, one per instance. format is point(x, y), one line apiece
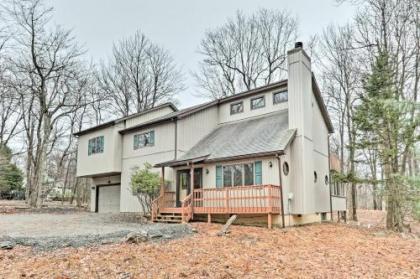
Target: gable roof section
point(118, 120)
point(179, 114)
point(260, 136)
point(194, 109)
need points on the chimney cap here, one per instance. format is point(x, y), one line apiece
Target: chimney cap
point(298, 45)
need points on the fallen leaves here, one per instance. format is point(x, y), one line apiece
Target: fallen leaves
point(317, 251)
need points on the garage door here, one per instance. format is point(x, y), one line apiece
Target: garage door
point(109, 199)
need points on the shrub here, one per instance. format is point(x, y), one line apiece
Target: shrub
point(145, 185)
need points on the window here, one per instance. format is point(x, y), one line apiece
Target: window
point(315, 177)
point(183, 180)
point(280, 97)
point(258, 102)
point(285, 168)
point(145, 139)
point(249, 174)
point(237, 175)
point(96, 145)
point(337, 187)
point(236, 108)
point(227, 176)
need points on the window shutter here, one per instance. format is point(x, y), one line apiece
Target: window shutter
point(258, 173)
point(219, 176)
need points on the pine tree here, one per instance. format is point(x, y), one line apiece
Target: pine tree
point(383, 123)
point(11, 177)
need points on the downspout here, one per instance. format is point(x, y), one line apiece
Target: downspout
point(176, 140)
point(329, 177)
point(281, 192)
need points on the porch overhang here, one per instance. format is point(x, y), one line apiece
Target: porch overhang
point(205, 159)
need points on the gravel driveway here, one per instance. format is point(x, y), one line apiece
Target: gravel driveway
point(49, 231)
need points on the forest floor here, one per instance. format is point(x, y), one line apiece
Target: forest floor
point(327, 250)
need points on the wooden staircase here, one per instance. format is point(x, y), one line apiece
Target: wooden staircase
point(169, 218)
point(183, 214)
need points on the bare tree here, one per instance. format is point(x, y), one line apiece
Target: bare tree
point(139, 75)
point(341, 83)
point(48, 70)
point(246, 52)
point(10, 115)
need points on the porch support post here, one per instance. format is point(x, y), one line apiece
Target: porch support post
point(270, 221)
point(162, 182)
point(192, 186)
point(209, 218)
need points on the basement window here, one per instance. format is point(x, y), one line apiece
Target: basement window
point(258, 102)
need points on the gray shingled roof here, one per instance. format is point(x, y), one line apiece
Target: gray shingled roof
point(264, 134)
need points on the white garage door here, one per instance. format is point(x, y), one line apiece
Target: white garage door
point(109, 199)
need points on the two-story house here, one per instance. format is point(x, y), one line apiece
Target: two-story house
point(262, 154)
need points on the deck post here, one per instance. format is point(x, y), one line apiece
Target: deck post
point(270, 220)
point(192, 187)
point(209, 218)
point(162, 181)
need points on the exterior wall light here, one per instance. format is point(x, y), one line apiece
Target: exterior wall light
point(270, 164)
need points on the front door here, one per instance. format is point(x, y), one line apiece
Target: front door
point(183, 182)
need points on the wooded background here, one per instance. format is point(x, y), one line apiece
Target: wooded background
point(368, 70)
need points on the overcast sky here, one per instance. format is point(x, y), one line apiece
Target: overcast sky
point(179, 25)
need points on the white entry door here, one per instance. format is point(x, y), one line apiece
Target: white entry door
point(109, 199)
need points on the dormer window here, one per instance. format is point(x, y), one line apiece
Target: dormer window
point(96, 145)
point(280, 97)
point(236, 108)
point(258, 102)
point(144, 139)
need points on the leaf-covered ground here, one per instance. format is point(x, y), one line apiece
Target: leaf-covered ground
point(316, 251)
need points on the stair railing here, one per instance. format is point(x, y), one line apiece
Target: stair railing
point(187, 209)
point(155, 206)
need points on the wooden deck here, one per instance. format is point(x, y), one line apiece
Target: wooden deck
point(255, 199)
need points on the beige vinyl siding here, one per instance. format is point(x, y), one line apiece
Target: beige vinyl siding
point(193, 128)
point(301, 103)
point(286, 179)
point(147, 116)
point(224, 111)
point(129, 202)
point(162, 150)
point(164, 141)
point(100, 163)
point(320, 155)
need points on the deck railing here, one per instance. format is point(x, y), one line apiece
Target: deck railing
point(240, 199)
point(255, 199)
point(165, 200)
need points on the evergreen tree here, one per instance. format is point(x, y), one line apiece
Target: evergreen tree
point(384, 124)
point(11, 177)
